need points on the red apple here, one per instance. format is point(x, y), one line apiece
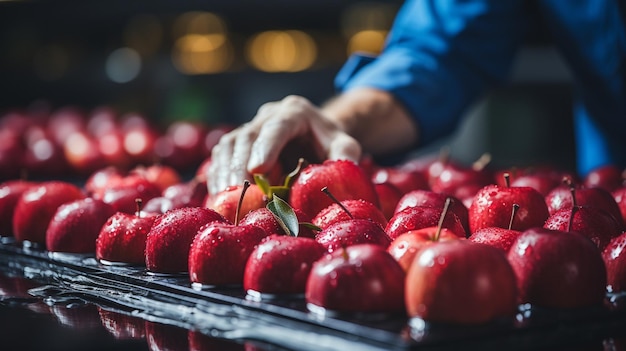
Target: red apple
point(419, 217)
point(619, 195)
point(592, 222)
point(492, 206)
point(169, 239)
point(344, 179)
point(561, 198)
point(82, 152)
point(264, 218)
point(122, 194)
point(405, 247)
point(280, 265)
point(160, 175)
point(111, 147)
point(351, 232)
point(361, 278)
point(557, 269)
point(614, 255)
point(122, 239)
point(226, 201)
point(349, 209)
point(501, 238)
point(219, 253)
point(139, 144)
point(388, 196)
point(11, 154)
point(460, 282)
point(433, 199)
point(453, 176)
point(76, 225)
point(607, 177)
point(36, 208)
point(402, 179)
point(181, 146)
point(10, 192)
point(100, 180)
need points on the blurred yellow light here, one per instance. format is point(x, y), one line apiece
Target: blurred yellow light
point(199, 22)
point(367, 16)
point(370, 41)
point(282, 51)
point(202, 54)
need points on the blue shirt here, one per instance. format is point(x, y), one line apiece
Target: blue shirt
point(440, 56)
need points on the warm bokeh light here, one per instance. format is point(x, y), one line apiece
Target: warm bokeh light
point(198, 22)
point(370, 41)
point(202, 53)
point(144, 33)
point(366, 26)
point(123, 65)
point(202, 45)
point(281, 51)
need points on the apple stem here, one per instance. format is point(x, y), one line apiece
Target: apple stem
point(507, 179)
point(572, 190)
point(246, 185)
point(442, 218)
point(481, 162)
point(138, 206)
point(327, 192)
point(513, 212)
point(344, 253)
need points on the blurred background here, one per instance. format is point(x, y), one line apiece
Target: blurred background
point(215, 62)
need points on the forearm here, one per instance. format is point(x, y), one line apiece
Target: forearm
point(375, 118)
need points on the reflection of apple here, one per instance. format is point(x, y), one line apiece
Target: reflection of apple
point(122, 326)
point(165, 337)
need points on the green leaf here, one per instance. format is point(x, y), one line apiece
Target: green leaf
point(285, 215)
point(311, 226)
point(291, 176)
point(264, 184)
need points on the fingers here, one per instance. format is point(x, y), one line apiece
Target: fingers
point(344, 147)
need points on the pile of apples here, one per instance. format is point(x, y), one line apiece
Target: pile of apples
point(70, 142)
point(430, 239)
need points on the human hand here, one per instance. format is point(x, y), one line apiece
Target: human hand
point(255, 147)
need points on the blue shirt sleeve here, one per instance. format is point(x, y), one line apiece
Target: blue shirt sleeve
point(442, 55)
point(439, 57)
